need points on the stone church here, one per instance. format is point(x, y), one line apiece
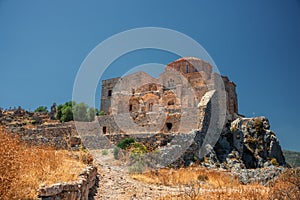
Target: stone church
point(168, 104)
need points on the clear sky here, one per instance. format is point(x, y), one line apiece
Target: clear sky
point(256, 43)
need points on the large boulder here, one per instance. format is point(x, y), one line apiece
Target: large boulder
point(256, 145)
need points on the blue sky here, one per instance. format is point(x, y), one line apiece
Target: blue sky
point(256, 43)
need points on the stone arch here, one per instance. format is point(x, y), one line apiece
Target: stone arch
point(169, 98)
point(150, 101)
point(133, 105)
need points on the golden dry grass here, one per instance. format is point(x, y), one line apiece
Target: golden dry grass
point(200, 183)
point(23, 169)
point(241, 193)
point(287, 186)
point(185, 176)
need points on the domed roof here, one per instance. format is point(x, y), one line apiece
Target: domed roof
point(192, 59)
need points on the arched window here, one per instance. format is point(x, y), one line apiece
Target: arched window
point(169, 126)
point(150, 107)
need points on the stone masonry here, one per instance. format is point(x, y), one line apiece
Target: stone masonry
point(164, 105)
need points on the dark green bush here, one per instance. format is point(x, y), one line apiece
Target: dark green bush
point(125, 143)
point(41, 109)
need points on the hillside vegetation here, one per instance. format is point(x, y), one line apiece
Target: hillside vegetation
point(23, 169)
point(201, 183)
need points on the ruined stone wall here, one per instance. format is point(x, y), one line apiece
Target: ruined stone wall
point(232, 102)
point(81, 189)
point(106, 94)
point(60, 136)
point(108, 124)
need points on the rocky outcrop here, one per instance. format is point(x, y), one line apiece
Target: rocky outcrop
point(249, 149)
point(250, 142)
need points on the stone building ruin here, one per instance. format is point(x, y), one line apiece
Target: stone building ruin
point(140, 103)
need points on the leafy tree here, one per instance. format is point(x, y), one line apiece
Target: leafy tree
point(80, 112)
point(41, 109)
point(64, 111)
point(91, 113)
point(67, 114)
point(59, 112)
point(75, 111)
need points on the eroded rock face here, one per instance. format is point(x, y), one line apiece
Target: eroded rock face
point(249, 149)
point(249, 143)
point(257, 145)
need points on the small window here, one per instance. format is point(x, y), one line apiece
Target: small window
point(109, 93)
point(150, 107)
point(170, 103)
point(169, 126)
point(186, 69)
point(104, 130)
point(130, 107)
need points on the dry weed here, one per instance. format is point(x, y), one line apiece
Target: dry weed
point(287, 186)
point(198, 183)
point(23, 169)
point(187, 176)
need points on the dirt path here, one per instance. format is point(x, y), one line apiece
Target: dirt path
point(115, 182)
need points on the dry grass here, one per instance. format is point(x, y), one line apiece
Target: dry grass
point(187, 176)
point(23, 169)
point(200, 183)
point(240, 193)
point(287, 186)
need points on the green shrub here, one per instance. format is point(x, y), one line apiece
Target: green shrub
point(41, 109)
point(125, 143)
point(116, 152)
point(138, 148)
point(137, 167)
point(104, 152)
